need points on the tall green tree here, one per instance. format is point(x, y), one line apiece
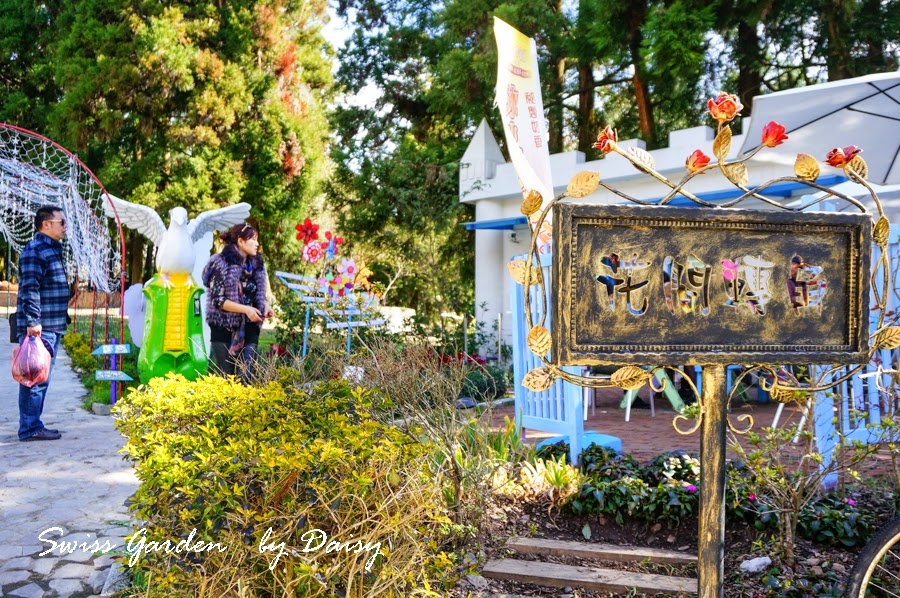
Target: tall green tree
point(199, 104)
point(27, 86)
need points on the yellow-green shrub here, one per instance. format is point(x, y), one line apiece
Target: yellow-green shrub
point(233, 461)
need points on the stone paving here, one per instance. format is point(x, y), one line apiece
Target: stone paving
point(74, 487)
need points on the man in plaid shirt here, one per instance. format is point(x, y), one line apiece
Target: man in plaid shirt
point(41, 310)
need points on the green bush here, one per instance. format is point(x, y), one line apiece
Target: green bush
point(78, 348)
point(605, 464)
point(837, 521)
point(671, 502)
point(254, 467)
point(484, 382)
point(674, 465)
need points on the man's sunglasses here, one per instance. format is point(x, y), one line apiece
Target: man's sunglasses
point(63, 221)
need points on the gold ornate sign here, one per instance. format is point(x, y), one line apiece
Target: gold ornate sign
point(645, 285)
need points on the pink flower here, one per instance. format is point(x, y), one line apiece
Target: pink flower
point(690, 488)
point(312, 252)
point(751, 497)
point(773, 134)
point(850, 502)
point(348, 267)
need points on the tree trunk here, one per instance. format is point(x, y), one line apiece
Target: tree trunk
point(555, 112)
point(587, 123)
point(835, 25)
point(637, 15)
point(749, 64)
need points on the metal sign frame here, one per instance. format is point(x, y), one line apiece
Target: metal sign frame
point(594, 328)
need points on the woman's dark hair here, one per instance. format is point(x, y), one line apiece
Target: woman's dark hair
point(239, 231)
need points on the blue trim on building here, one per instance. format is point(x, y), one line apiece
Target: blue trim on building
point(776, 190)
point(499, 224)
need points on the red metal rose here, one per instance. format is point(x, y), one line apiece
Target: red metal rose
point(725, 107)
point(773, 134)
point(696, 161)
point(841, 157)
point(606, 140)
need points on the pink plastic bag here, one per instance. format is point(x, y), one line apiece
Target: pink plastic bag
point(31, 362)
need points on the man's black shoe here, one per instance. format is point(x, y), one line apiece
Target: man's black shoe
point(44, 434)
point(52, 430)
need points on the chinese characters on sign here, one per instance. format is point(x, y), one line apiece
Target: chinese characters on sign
point(686, 285)
point(672, 285)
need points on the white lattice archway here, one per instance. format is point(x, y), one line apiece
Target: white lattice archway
point(36, 171)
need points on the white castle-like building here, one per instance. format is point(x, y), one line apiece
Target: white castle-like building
point(864, 111)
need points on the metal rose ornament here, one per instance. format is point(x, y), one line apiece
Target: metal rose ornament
point(725, 107)
point(773, 135)
point(607, 140)
point(696, 161)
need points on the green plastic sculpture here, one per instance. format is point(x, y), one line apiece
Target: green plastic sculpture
point(173, 329)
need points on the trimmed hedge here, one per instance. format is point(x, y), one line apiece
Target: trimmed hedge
point(270, 473)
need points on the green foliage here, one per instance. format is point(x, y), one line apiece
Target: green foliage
point(675, 465)
point(484, 382)
point(78, 347)
point(197, 104)
point(233, 462)
point(625, 497)
point(605, 464)
point(555, 451)
point(835, 520)
point(807, 584)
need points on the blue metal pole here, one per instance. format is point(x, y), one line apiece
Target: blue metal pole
point(349, 330)
point(113, 385)
point(305, 331)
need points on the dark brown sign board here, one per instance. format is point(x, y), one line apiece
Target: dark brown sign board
point(656, 285)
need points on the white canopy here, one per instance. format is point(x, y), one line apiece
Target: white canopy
point(864, 111)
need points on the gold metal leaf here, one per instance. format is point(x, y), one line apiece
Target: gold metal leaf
point(538, 379)
point(518, 270)
point(737, 174)
point(539, 340)
point(882, 231)
point(644, 160)
point(784, 388)
point(783, 394)
point(532, 203)
point(722, 144)
point(889, 338)
point(583, 184)
point(806, 167)
point(857, 169)
point(629, 377)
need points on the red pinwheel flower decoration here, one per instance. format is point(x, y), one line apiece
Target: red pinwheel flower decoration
point(307, 231)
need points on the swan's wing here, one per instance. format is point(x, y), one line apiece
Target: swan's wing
point(220, 219)
point(141, 218)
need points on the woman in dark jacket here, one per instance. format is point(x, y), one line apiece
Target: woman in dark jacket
point(236, 305)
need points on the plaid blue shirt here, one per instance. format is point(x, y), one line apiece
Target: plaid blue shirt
point(43, 288)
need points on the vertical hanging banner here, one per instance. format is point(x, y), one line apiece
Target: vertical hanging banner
point(519, 100)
